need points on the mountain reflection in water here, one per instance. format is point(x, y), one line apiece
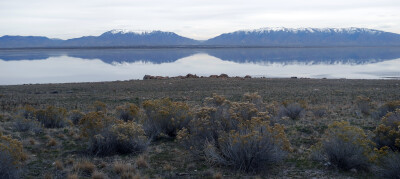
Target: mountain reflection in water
point(87, 65)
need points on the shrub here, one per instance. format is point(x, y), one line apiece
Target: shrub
point(319, 112)
point(390, 106)
point(235, 134)
point(390, 166)
point(127, 112)
point(7, 167)
point(108, 136)
point(75, 116)
point(293, 111)
point(165, 116)
point(388, 132)
point(99, 106)
point(23, 125)
point(52, 117)
point(255, 99)
point(93, 123)
point(204, 127)
point(11, 156)
point(345, 147)
point(243, 110)
point(363, 104)
point(27, 112)
point(122, 138)
point(253, 147)
point(209, 121)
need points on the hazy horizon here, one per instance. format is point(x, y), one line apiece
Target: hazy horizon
point(195, 19)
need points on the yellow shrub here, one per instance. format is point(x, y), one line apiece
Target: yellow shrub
point(346, 147)
point(390, 106)
point(254, 129)
point(52, 117)
point(126, 130)
point(94, 122)
point(99, 106)
point(27, 112)
point(165, 116)
point(75, 116)
point(253, 146)
point(127, 112)
point(243, 110)
point(222, 116)
point(388, 132)
point(108, 136)
point(12, 147)
point(363, 104)
point(255, 99)
point(215, 100)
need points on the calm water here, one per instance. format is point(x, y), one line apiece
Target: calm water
point(90, 65)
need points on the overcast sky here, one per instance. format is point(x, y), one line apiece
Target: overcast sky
point(198, 19)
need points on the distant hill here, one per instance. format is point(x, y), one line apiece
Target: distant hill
point(301, 37)
point(28, 41)
point(265, 37)
point(113, 38)
point(126, 38)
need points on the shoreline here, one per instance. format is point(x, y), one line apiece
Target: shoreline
point(185, 47)
point(155, 78)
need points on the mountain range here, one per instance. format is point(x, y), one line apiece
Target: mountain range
point(265, 37)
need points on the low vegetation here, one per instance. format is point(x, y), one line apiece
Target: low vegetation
point(11, 156)
point(345, 147)
point(109, 136)
point(163, 116)
point(201, 128)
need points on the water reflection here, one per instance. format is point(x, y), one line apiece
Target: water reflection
point(106, 55)
point(59, 66)
point(349, 55)
point(354, 55)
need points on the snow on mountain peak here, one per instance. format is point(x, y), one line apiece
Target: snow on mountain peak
point(125, 31)
point(312, 30)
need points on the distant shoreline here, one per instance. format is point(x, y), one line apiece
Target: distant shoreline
point(186, 47)
point(232, 79)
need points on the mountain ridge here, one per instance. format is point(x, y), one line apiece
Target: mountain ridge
point(263, 37)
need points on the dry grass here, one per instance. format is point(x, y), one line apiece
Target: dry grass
point(48, 176)
point(52, 142)
point(72, 176)
point(123, 168)
point(58, 165)
point(141, 161)
point(84, 166)
point(32, 141)
point(98, 175)
point(168, 167)
point(218, 175)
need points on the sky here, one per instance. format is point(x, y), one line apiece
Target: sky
point(197, 19)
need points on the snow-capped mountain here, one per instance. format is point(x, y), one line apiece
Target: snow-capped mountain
point(281, 36)
point(120, 38)
point(113, 38)
point(265, 37)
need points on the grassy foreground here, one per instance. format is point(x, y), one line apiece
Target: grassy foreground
point(62, 152)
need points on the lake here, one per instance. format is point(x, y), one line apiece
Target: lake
point(92, 65)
